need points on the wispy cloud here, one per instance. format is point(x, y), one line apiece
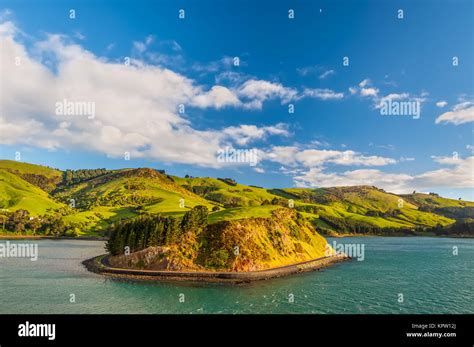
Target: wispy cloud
point(315, 70)
point(460, 114)
point(326, 74)
point(224, 64)
point(367, 90)
point(243, 134)
point(258, 91)
point(323, 94)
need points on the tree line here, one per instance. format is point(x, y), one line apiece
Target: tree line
point(154, 230)
point(52, 224)
point(76, 176)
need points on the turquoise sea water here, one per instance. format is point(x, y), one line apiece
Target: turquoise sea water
point(424, 270)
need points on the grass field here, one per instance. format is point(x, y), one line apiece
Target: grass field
point(126, 193)
point(242, 213)
point(16, 193)
point(26, 168)
point(225, 193)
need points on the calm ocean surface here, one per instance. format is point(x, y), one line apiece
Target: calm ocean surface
point(424, 270)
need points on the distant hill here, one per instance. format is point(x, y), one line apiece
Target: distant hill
point(43, 177)
point(225, 191)
point(363, 209)
point(456, 209)
point(16, 194)
point(89, 201)
point(128, 193)
point(146, 188)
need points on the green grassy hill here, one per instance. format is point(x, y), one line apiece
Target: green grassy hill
point(225, 192)
point(101, 197)
point(16, 193)
point(242, 213)
point(128, 193)
point(26, 168)
point(44, 177)
point(360, 209)
point(450, 208)
point(145, 188)
point(435, 201)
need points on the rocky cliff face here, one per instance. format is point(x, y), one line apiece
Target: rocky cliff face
point(241, 245)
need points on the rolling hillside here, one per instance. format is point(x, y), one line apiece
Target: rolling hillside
point(455, 209)
point(44, 177)
point(125, 194)
point(145, 188)
point(225, 191)
point(16, 193)
point(89, 201)
point(361, 209)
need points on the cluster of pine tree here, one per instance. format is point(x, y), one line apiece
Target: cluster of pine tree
point(45, 183)
point(463, 227)
point(77, 176)
point(200, 190)
point(154, 230)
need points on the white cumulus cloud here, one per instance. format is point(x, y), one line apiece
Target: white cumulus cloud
point(460, 114)
point(136, 106)
point(259, 90)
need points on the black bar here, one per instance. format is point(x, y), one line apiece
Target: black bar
point(313, 330)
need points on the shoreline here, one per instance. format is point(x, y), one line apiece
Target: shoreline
point(399, 235)
point(45, 237)
point(91, 238)
point(100, 265)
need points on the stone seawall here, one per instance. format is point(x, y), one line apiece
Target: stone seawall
point(100, 265)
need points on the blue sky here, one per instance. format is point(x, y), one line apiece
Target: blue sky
point(336, 135)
